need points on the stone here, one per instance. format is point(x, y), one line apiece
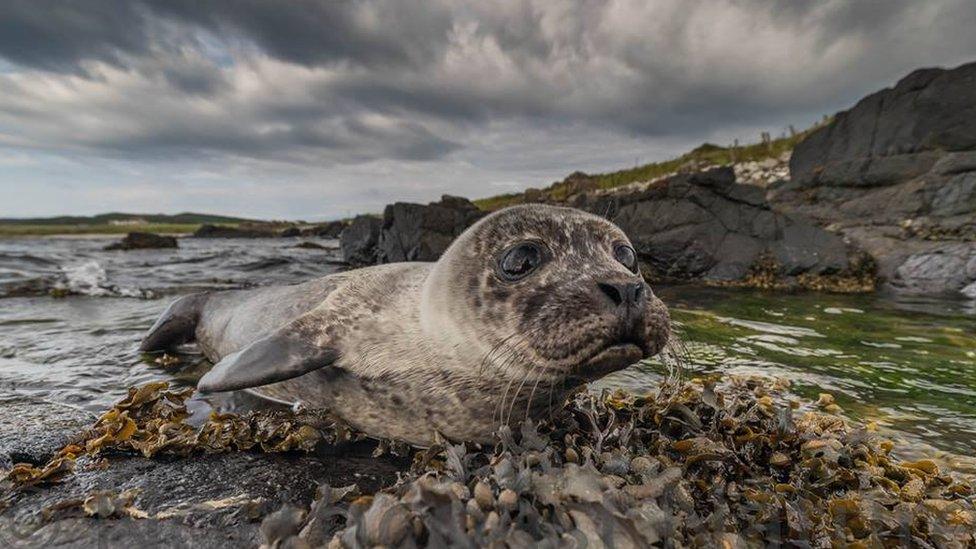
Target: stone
point(330, 229)
point(896, 176)
point(417, 232)
point(358, 240)
point(143, 241)
point(706, 226)
point(895, 134)
point(32, 429)
point(290, 232)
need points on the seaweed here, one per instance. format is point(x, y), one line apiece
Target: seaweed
point(700, 464)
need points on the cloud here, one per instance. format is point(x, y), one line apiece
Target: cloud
point(439, 83)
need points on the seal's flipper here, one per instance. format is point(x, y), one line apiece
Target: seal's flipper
point(277, 357)
point(177, 324)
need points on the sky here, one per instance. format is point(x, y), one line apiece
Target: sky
point(322, 109)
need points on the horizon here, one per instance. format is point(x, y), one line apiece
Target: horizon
point(324, 111)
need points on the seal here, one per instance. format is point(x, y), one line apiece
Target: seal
point(524, 307)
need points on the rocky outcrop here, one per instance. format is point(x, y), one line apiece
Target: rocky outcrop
point(143, 241)
point(330, 229)
point(896, 174)
point(415, 232)
point(706, 226)
point(893, 135)
point(358, 241)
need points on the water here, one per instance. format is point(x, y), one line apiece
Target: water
point(907, 364)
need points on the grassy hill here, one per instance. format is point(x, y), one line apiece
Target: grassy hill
point(707, 154)
point(114, 223)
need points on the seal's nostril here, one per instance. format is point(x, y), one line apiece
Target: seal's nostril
point(612, 291)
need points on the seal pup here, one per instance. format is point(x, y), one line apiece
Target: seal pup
point(523, 308)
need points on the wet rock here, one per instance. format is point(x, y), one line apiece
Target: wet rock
point(948, 268)
point(143, 241)
point(290, 232)
point(706, 226)
point(210, 500)
point(32, 430)
point(415, 232)
point(358, 241)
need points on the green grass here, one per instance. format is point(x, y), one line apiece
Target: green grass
point(707, 154)
point(7, 230)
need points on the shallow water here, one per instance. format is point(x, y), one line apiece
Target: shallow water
point(907, 364)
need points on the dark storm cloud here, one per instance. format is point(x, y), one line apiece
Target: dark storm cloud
point(343, 81)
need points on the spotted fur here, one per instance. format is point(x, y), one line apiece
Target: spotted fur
point(451, 349)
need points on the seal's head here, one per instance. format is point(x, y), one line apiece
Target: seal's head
point(547, 288)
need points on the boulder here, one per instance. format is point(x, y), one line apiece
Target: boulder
point(290, 232)
point(143, 241)
point(706, 226)
point(358, 240)
point(415, 232)
point(893, 135)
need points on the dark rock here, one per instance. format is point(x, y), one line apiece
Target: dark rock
point(415, 232)
point(331, 229)
point(290, 232)
point(143, 241)
point(310, 246)
point(705, 226)
point(896, 175)
point(206, 500)
point(220, 231)
point(358, 240)
point(895, 134)
point(32, 430)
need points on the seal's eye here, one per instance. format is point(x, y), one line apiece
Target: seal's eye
point(520, 260)
point(626, 256)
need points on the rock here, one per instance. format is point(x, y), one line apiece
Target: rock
point(143, 241)
point(32, 430)
point(358, 240)
point(706, 226)
point(220, 231)
point(290, 232)
point(207, 500)
point(893, 135)
point(310, 246)
point(945, 269)
point(415, 232)
point(896, 176)
point(331, 229)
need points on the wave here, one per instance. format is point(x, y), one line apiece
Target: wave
point(89, 278)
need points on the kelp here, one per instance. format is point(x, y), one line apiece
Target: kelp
point(152, 420)
point(700, 464)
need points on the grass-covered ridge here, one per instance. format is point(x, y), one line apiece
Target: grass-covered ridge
point(704, 155)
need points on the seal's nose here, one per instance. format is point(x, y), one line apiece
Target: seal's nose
point(623, 294)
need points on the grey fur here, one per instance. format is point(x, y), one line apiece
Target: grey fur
point(419, 351)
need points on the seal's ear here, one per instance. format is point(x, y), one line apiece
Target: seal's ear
point(277, 357)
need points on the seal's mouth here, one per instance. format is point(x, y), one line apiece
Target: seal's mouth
point(611, 359)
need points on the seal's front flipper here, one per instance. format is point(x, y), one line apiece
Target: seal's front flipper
point(177, 324)
point(277, 357)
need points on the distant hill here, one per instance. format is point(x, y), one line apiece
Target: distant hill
point(185, 218)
